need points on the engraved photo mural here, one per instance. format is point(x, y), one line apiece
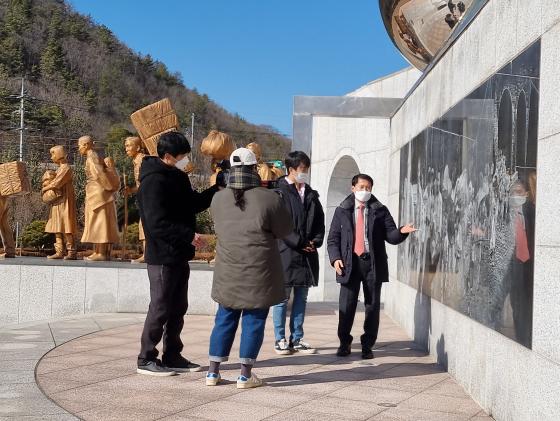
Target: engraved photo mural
point(469, 181)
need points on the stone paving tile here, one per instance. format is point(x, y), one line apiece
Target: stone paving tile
point(184, 416)
point(297, 415)
point(372, 395)
point(17, 376)
point(22, 364)
point(341, 408)
point(54, 387)
point(129, 351)
point(63, 362)
point(449, 404)
point(269, 396)
point(109, 414)
point(92, 373)
point(448, 387)
point(221, 410)
point(25, 399)
point(18, 336)
point(481, 418)
point(403, 414)
point(23, 350)
point(408, 376)
point(58, 417)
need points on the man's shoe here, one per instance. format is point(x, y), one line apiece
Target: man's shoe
point(303, 347)
point(154, 368)
point(367, 354)
point(245, 383)
point(282, 347)
point(213, 379)
point(180, 364)
point(343, 350)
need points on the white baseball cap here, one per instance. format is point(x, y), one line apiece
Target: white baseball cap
point(242, 156)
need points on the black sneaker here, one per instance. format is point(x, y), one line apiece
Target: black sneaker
point(343, 350)
point(367, 354)
point(154, 368)
point(299, 346)
point(180, 364)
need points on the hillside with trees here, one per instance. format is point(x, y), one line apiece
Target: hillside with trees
point(80, 79)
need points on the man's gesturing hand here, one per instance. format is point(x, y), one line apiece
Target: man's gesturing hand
point(408, 228)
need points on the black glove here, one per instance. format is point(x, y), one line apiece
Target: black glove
point(221, 179)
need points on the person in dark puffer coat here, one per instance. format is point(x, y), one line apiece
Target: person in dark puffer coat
point(300, 259)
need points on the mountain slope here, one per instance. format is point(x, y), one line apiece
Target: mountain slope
point(82, 79)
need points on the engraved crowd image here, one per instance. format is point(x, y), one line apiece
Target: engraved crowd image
point(469, 183)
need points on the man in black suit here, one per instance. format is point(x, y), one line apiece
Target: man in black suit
point(356, 247)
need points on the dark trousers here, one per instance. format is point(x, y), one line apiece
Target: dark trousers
point(348, 301)
point(168, 306)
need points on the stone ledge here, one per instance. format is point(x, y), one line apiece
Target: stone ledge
point(38, 289)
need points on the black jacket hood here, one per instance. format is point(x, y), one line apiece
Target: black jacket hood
point(154, 165)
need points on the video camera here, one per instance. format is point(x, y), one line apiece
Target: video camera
point(269, 184)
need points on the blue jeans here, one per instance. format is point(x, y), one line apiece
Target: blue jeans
point(223, 334)
point(296, 317)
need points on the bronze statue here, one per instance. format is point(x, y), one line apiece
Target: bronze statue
point(58, 191)
point(6, 231)
point(133, 147)
point(100, 226)
point(263, 169)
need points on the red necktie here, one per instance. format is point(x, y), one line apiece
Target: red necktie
point(521, 246)
point(359, 241)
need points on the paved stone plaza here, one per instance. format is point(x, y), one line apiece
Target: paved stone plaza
point(93, 376)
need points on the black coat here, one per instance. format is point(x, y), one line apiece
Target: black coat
point(380, 228)
point(168, 206)
point(301, 269)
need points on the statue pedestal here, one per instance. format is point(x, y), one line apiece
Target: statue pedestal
point(40, 289)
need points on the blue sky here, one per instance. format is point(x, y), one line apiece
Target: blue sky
point(253, 56)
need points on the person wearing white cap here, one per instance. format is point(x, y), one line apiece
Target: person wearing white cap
point(248, 277)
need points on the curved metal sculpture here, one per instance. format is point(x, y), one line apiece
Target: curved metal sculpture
point(420, 28)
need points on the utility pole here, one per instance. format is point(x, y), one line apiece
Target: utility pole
point(21, 118)
point(192, 129)
point(21, 129)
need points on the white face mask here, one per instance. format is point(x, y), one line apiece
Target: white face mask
point(182, 164)
point(362, 195)
point(302, 178)
point(517, 201)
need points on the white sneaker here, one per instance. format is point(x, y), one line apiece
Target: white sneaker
point(282, 347)
point(245, 383)
point(213, 379)
point(304, 347)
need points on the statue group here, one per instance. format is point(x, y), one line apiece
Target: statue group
point(102, 182)
point(100, 224)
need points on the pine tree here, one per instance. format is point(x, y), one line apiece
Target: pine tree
point(52, 59)
point(11, 42)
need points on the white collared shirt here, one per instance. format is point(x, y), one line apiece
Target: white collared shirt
point(357, 204)
point(301, 190)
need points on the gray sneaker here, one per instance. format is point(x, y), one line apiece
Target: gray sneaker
point(154, 368)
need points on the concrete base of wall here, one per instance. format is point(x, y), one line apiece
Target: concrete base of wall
point(39, 289)
point(508, 380)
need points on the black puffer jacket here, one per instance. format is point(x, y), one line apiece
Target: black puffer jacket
point(168, 206)
point(380, 228)
point(301, 269)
